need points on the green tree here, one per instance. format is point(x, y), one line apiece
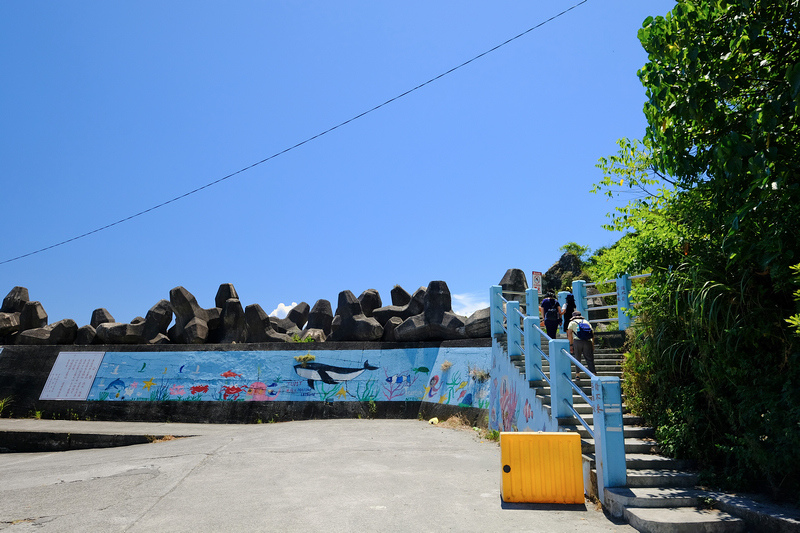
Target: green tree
point(723, 88)
point(575, 249)
point(714, 361)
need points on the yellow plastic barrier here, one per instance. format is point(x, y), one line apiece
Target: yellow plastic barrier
point(541, 467)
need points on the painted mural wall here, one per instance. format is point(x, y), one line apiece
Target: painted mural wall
point(457, 376)
point(514, 406)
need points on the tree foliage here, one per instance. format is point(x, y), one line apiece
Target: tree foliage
point(723, 88)
point(714, 360)
point(576, 249)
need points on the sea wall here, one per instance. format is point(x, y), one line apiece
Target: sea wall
point(250, 383)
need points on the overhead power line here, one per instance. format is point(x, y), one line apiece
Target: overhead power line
point(298, 145)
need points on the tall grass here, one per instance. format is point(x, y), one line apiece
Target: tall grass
point(714, 366)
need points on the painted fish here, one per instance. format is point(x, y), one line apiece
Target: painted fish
point(398, 379)
point(230, 374)
point(329, 374)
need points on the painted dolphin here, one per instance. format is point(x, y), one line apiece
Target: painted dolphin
point(116, 388)
point(329, 374)
point(117, 384)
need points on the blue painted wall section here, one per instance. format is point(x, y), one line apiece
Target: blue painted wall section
point(514, 405)
point(455, 376)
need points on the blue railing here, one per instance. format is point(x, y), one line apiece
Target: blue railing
point(606, 399)
point(623, 305)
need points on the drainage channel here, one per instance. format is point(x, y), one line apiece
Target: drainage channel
point(40, 441)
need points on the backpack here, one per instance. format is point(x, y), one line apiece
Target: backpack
point(551, 313)
point(584, 332)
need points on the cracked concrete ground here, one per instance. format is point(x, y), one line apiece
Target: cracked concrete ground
point(331, 475)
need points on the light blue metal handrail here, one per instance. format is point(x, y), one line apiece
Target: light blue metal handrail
point(537, 348)
point(606, 399)
point(581, 367)
point(580, 418)
point(622, 293)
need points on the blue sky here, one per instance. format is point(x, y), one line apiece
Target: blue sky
point(110, 108)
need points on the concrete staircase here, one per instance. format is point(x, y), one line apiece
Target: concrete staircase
point(661, 493)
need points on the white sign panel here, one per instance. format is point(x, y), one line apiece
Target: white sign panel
point(72, 376)
point(536, 281)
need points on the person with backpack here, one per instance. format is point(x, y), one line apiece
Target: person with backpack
point(550, 311)
point(569, 308)
point(581, 340)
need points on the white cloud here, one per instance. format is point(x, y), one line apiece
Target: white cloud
point(467, 303)
point(282, 310)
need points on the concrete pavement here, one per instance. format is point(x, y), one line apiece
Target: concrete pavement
point(317, 475)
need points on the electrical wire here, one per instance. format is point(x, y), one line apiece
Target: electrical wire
point(298, 145)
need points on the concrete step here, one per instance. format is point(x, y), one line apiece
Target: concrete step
point(633, 432)
point(643, 446)
point(601, 366)
point(643, 461)
point(661, 470)
point(638, 432)
point(646, 477)
point(684, 520)
point(586, 390)
point(581, 380)
point(629, 432)
point(620, 498)
point(627, 420)
point(545, 399)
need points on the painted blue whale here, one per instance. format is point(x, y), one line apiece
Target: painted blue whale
point(329, 374)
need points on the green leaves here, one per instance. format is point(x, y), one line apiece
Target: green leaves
point(716, 217)
point(793, 77)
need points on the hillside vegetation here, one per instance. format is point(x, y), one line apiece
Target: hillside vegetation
point(713, 361)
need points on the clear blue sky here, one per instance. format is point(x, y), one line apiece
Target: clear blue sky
point(110, 108)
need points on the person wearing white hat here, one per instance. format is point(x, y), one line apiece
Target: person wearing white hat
point(581, 340)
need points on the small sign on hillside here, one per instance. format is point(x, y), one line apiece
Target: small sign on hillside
point(536, 281)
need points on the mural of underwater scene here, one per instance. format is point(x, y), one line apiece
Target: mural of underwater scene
point(515, 406)
point(417, 374)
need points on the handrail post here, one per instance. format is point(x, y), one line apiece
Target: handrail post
point(623, 301)
point(512, 326)
point(533, 349)
point(562, 298)
point(560, 377)
point(496, 309)
point(609, 440)
point(579, 292)
point(532, 302)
